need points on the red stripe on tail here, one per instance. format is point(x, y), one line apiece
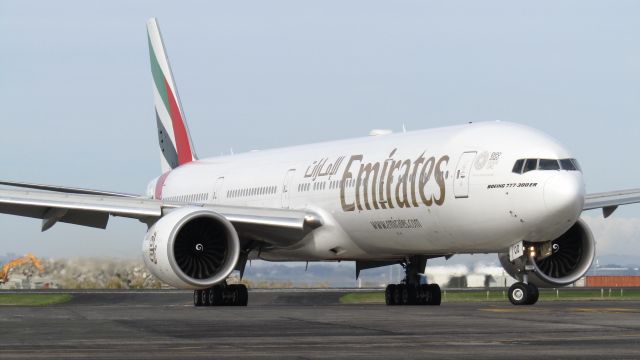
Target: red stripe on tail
point(179, 129)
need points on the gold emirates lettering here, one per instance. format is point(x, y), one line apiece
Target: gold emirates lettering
point(375, 188)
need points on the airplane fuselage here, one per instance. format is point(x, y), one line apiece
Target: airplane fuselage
point(432, 192)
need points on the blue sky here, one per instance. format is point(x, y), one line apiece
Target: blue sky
point(75, 87)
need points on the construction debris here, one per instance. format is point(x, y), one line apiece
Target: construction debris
point(81, 274)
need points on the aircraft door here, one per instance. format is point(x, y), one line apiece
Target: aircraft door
point(217, 190)
point(462, 174)
point(287, 185)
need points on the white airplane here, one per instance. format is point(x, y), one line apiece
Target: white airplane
point(492, 187)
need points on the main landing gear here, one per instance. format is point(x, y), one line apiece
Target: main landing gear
point(222, 295)
point(410, 291)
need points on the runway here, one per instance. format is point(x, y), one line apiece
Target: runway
point(313, 325)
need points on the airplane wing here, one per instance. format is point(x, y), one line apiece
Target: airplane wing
point(279, 227)
point(65, 189)
point(609, 201)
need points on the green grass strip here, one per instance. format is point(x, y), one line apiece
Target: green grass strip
point(377, 297)
point(33, 299)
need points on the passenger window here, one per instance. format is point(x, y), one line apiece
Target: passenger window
point(517, 168)
point(530, 165)
point(548, 164)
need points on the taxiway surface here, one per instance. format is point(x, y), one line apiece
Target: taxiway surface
point(302, 324)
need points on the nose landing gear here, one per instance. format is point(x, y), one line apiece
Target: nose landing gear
point(410, 291)
point(522, 293)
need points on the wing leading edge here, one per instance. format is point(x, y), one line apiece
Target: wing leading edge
point(609, 201)
point(279, 227)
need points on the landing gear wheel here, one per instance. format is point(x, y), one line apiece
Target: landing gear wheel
point(520, 294)
point(397, 294)
point(204, 297)
point(197, 297)
point(424, 295)
point(239, 295)
point(405, 296)
point(214, 296)
point(435, 296)
point(533, 294)
point(388, 294)
point(412, 291)
point(232, 295)
point(244, 295)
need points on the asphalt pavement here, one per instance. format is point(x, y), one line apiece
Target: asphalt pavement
point(314, 325)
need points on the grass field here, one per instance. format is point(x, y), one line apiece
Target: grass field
point(377, 297)
point(33, 299)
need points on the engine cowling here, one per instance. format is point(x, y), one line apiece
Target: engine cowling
point(191, 248)
point(571, 257)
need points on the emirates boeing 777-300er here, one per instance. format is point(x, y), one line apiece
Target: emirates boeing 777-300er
point(491, 187)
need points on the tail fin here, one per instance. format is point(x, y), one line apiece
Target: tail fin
point(175, 142)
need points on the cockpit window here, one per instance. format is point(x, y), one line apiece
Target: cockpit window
point(576, 164)
point(530, 165)
point(548, 164)
point(567, 164)
point(525, 165)
point(517, 168)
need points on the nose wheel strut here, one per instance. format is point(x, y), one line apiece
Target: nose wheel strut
point(523, 292)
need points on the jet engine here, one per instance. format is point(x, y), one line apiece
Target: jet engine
point(557, 262)
point(191, 248)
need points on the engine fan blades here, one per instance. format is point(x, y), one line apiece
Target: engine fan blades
point(565, 259)
point(200, 249)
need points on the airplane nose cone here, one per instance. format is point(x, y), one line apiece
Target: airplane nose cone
point(564, 195)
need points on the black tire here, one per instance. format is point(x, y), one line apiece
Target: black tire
point(534, 294)
point(404, 294)
point(424, 294)
point(435, 295)
point(232, 295)
point(229, 295)
point(388, 294)
point(244, 295)
point(204, 296)
point(412, 291)
point(218, 294)
point(212, 296)
point(197, 298)
point(397, 295)
point(519, 294)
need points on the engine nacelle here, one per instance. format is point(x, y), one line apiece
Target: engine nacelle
point(191, 248)
point(571, 256)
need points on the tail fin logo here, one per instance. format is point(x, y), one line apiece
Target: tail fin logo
point(173, 135)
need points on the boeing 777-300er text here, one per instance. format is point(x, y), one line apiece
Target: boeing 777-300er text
point(492, 187)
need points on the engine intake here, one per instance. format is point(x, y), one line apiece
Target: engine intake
point(191, 248)
point(571, 257)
